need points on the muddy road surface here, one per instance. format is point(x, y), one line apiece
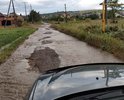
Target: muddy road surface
point(43, 50)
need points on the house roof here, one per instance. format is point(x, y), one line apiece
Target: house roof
point(1, 15)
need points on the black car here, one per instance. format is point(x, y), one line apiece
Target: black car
point(80, 82)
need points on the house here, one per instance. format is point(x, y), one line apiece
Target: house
point(68, 15)
point(11, 19)
point(4, 19)
point(1, 18)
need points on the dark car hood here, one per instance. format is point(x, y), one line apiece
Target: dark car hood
point(78, 79)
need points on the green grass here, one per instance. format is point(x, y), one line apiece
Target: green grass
point(10, 39)
point(90, 32)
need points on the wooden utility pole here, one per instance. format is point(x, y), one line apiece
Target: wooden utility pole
point(103, 17)
point(32, 19)
point(58, 16)
point(104, 12)
point(106, 9)
point(65, 13)
point(25, 6)
point(30, 7)
point(15, 18)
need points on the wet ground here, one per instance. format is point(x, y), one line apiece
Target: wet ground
point(45, 49)
point(44, 59)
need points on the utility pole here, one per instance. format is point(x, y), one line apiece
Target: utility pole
point(15, 19)
point(65, 13)
point(106, 15)
point(103, 17)
point(58, 17)
point(32, 19)
point(104, 12)
point(30, 7)
point(25, 6)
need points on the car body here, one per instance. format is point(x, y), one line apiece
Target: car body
point(78, 80)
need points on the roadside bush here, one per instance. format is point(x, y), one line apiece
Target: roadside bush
point(93, 29)
point(93, 16)
point(119, 35)
point(19, 23)
point(113, 28)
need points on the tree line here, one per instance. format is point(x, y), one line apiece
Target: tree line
point(34, 16)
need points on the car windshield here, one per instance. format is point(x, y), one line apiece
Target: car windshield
point(49, 37)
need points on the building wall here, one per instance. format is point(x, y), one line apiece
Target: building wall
point(1, 19)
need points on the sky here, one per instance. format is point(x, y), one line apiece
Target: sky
point(49, 6)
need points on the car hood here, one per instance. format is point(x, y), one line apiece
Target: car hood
point(77, 79)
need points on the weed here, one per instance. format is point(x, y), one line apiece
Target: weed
point(10, 39)
point(90, 32)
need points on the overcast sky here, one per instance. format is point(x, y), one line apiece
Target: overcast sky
point(48, 6)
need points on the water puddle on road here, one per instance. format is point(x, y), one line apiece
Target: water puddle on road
point(47, 33)
point(46, 37)
point(47, 41)
point(44, 59)
point(47, 29)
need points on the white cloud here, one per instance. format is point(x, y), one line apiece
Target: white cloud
point(89, 5)
point(45, 6)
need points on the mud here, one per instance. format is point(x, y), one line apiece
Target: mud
point(44, 59)
point(47, 33)
point(47, 29)
point(47, 41)
point(47, 37)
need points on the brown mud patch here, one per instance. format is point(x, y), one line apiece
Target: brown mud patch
point(47, 29)
point(47, 41)
point(44, 60)
point(46, 37)
point(47, 33)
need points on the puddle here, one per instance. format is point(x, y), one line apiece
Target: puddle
point(47, 29)
point(47, 41)
point(47, 33)
point(47, 37)
point(44, 59)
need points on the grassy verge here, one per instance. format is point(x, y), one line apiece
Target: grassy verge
point(90, 32)
point(10, 39)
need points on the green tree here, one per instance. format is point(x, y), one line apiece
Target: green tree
point(34, 16)
point(113, 4)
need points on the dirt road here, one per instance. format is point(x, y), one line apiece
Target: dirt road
point(54, 49)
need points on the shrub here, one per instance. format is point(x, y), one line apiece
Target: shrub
point(93, 36)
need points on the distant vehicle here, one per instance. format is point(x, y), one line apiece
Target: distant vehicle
point(80, 82)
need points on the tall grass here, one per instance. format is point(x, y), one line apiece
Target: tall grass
point(90, 32)
point(10, 39)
